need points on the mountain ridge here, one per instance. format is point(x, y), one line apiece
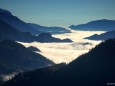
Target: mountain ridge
point(15, 22)
point(9, 32)
point(97, 25)
point(103, 36)
point(14, 57)
point(95, 68)
point(51, 30)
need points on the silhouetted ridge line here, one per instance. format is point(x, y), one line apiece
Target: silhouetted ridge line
point(9, 32)
point(103, 36)
point(97, 25)
point(95, 68)
point(15, 58)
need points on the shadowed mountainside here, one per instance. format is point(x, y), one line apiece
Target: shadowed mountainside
point(16, 23)
point(9, 32)
point(14, 57)
point(52, 30)
point(32, 48)
point(95, 68)
point(98, 25)
point(22, 26)
point(104, 36)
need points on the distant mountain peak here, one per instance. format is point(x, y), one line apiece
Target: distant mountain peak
point(96, 25)
point(103, 36)
point(5, 11)
point(104, 19)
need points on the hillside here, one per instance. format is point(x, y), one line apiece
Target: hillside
point(16, 23)
point(97, 25)
point(95, 68)
point(9, 32)
point(51, 30)
point(14, 57)
point(104, 36)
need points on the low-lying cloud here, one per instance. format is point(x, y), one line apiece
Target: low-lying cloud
point(66, 52)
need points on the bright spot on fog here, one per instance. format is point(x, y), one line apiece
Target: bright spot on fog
point(66, 52)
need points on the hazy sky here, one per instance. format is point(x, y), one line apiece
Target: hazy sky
point(60, 12)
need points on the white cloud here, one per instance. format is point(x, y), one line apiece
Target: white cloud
point(66, 52)
point(6, 77)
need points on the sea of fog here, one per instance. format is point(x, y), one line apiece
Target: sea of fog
point(66, 52)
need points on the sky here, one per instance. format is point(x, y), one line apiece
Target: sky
point(60, 12)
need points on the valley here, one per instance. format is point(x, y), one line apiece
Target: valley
point(66, 52)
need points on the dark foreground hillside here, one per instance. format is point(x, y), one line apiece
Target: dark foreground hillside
point(96, 68)
point(14, 57)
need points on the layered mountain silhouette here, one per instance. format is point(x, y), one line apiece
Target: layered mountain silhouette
point(104, 36)
point(47, 37)
point(52, 30)
point(14, 57)
point(16, 23)
point(98, 25)
point(22, 26)
point(9, 32)
point(95, 68)
point(32, 48)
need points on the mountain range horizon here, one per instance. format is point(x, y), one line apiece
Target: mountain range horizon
point(57, 43)
point(67, 26)
point(62, 12)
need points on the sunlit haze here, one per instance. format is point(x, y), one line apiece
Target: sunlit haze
point(66, 52)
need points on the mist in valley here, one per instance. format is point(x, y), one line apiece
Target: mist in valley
point(66, 52)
